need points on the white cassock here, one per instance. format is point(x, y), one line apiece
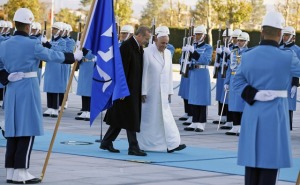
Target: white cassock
point(159, 131)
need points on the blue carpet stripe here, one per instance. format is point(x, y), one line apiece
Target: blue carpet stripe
point(195, 158)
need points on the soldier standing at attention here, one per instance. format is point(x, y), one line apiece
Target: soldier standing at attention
point(264, 142)
point(19, 60)
point(289, 36)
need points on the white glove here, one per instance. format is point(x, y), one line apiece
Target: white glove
point(264, 95)
point(184, 48)
point(226, 87)
point(227, 50)
point(293, 91)
point(217, 64)
point(77, 44)
point(191, 48)
point(78, 54)
point(219, 50)
point(44, 39)
point(16, 76)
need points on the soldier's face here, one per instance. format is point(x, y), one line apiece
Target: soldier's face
point(54, 31)
point(234, 40)
point(162, 43)
point(123, 36)
point(286, 37)
point(241, 43)
point(198, 36)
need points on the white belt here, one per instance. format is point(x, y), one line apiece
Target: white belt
point(278, 93)
point(30, 75)
point(198, 66)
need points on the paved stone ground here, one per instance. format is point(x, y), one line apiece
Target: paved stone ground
point(66, 169)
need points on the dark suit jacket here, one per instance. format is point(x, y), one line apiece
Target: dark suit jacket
point(127, 113)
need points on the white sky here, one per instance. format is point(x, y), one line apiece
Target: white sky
point(137, 4)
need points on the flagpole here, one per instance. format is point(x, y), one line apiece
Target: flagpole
point(65, 96)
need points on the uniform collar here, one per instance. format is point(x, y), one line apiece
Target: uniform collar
point(289, 45)
point(22, 33)
point(56, 39)
point(64, 37)
point(269, 42)
point(199, 45)
point(38, 35)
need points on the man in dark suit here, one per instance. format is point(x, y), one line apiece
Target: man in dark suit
point(126, 112)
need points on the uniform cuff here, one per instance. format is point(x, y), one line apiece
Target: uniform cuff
point(195, 55)
point(69, 58)
point(248, 94)
point(4, 77)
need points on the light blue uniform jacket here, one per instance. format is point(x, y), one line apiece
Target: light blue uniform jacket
point(55, 76)
point(171, 48)
point(184, 87)
point(235, 101)
point(199, 88)
point(293, 101)
point(264, 140)
point(85, 78)
point(23, 110)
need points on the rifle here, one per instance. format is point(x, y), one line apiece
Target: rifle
point(153, 30)
point(187, 59)
point(183, 52)
point(118, 26)
point(224, 67)
point(217, 57)
point(45, 28)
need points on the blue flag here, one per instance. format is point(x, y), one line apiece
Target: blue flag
point(109, 81)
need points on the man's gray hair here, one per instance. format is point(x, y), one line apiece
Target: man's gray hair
point(143, 30)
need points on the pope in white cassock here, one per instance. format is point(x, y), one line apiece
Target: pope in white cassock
point(159, 131)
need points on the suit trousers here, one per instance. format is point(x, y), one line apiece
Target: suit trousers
point(236, 117)
point(113, 132)
point(199, 113)
point(187, 107)
point(260, 176)
point(18, 151)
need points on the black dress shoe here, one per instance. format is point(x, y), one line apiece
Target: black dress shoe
point(53, 116)
point(31, 181)
point(231, 133)
point(109, 148)
point(46, 115)
point(225, 127)
point(182, 119)
point(217, 122)
point(79, 113)
point(79, 118)
point(189, 129)
point(86, 119)
point(136, 152)
point(180, 147)
point(9, 181)
point(198, 130)
point(186, 123)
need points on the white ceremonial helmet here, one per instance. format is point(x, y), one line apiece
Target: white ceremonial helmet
point(244, 36)
point(236, 33)
point(229, 33)
point(273, 19)
point(58, 25)
point(289, 30)
point(127, 29)
point(69, 28)
point(24, 15)
point(36, 26)
point(162, 29)
point(9, 24)
point(200, 29)
point(3, 24)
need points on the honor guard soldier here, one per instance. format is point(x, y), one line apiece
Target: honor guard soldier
point(36, 32)
point(3, 26)
point(235, 102)
point(9, 26)
point(70, 47)
point(84, 87)
point(221, 64)
point(235, 34)
point(199, 87)
point(262, 79)
point(289, 36)
point(55, 80)
point(19, 59)
point(125, 33)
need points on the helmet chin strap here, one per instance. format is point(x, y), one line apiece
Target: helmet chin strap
point(57, 34)
point(201, 40)
point(289, 40)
